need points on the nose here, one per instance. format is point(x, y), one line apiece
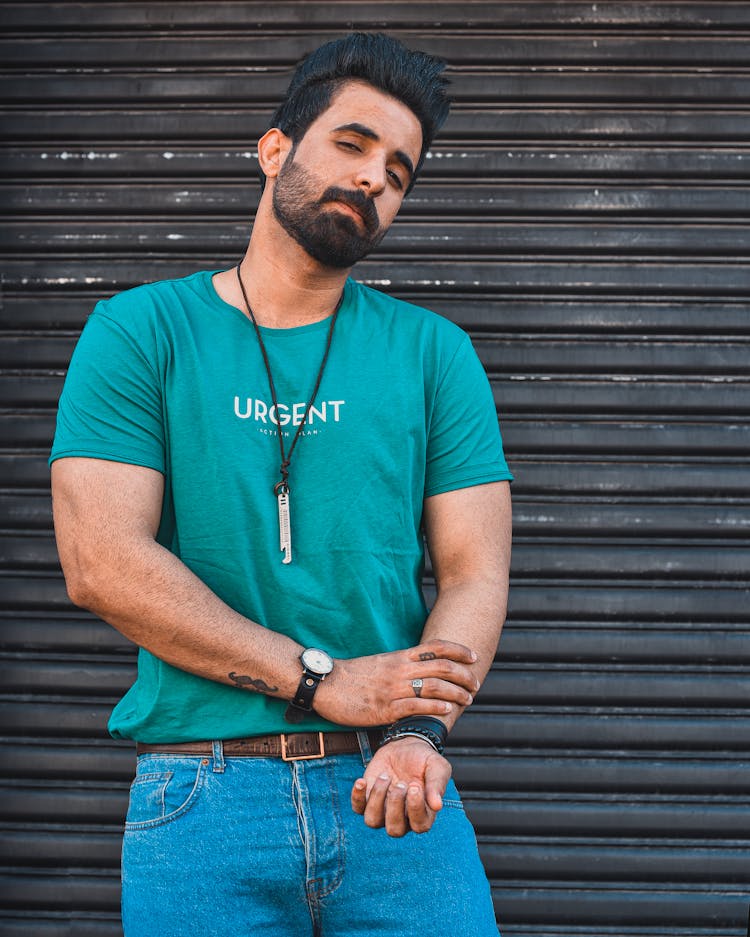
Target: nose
point(371, 176)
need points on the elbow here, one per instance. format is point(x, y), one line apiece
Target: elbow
point(85, 577)
point(87, 565)
point(81, 586)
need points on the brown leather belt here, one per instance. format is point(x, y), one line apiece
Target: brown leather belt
point(295, 746)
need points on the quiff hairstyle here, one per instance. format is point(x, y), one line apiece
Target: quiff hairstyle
point(414, 78)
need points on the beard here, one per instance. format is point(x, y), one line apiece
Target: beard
point(327, 235)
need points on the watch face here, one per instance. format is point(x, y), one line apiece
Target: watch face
point(316, 660)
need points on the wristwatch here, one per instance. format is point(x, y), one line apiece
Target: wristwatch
point(316, 665)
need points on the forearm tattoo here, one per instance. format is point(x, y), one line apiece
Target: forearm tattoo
point(250, 683)
point(428, 655)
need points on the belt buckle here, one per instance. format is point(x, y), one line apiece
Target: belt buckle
point(321, 750)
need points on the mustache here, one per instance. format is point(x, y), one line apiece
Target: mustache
point(358, 201)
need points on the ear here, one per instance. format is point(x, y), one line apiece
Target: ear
point(273, 149)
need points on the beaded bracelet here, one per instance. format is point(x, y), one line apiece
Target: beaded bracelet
point(433, 731)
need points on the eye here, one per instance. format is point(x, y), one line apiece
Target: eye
point(345, 144)
point(395, 178)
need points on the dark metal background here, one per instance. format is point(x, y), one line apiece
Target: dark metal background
point(585, 217)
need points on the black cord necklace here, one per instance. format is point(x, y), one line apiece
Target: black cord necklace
point(281, 488)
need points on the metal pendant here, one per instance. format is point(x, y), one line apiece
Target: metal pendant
point(285, 526)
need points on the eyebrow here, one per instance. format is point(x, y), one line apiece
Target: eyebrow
point(365, 131)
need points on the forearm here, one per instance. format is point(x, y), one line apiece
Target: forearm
point(469, 538)
point(151, 597)
point(471, 613)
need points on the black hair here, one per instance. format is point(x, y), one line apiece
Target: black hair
point(414, 78)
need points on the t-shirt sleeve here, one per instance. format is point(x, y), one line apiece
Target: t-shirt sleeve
point(111, 404)
point(464, 444)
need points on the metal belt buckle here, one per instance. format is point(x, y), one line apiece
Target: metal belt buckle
point(320, 754)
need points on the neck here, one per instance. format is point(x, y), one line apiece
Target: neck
point(285, 286)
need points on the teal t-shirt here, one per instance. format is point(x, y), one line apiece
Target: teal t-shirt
point(171, 377)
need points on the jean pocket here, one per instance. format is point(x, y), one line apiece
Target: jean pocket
point(452, 798)
point(161, 794)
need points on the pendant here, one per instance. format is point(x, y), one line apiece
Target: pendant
point(285, 526)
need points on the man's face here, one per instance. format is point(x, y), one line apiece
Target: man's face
point(342, 185)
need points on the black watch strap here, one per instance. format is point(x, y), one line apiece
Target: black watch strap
point(301, 703)
point(316, 665)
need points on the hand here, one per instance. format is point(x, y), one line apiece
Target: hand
point(402, 788)
point(377, 690)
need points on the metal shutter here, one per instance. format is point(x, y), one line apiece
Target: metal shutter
point(585, 217)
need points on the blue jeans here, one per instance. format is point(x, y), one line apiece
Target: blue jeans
point(260, 846)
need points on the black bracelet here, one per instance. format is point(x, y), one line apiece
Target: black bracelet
point(431, 730)
point(426, 722)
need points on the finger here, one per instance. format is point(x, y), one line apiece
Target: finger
point(395, 810)
point(434, 688)
point(359, 796)
point(438, 648)
point(436, 777)
point(418, 812)
point(375, 809)
point(448, 671)
point(413, 706)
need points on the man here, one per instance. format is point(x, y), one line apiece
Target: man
point(244, 464)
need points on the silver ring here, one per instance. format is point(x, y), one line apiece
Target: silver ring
point(417, 685)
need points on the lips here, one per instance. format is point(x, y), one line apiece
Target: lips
point(350, 209)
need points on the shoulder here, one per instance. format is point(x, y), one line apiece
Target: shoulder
point(410, 319)
point(140, 304)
